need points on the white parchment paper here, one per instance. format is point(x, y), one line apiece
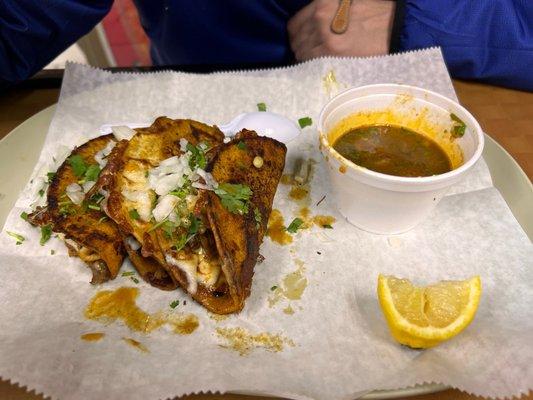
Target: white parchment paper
point(342, 347)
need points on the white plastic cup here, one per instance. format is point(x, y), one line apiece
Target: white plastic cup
point(387, 204)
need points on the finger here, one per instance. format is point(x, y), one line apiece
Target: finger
point(298, 20)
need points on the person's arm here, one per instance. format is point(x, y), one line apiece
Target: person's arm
point(489, 40)
point(34, 32)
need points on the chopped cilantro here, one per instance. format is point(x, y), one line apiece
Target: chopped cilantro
point(261, 106)
point(234, 196)
point(52, 252)
point(305, 121)
point(241, 145)
point(168, 228)
point(459, 127)
point(128, 273)
point(41, 192)
point(182, 240)
point(24, 216)
point(197, 159)
point(134, 214)
point(18, 237)
point(273, 288)
point(257, 216)
point(135, 280)
point(157, 225)
point(94, 207)
point(78, 165)
point(327, 226)
point(92, 172)
point(295, 225)
point(46, 232)
point(182, 191)
point(174, 304)
point(50, 177)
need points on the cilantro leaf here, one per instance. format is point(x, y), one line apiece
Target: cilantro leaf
point(241, 145)
point(46, 233)
point(128, 273)
point(134, 214)
point(273, 288)
point(197, 159)
point(327, 226)
point(295, 225)
point(235, 197)
point(305, 121)
point(24, 216)
point(135, 280)
point(459, 127)
point(261, 107)
point(78, 165)
point(18, 237)
point(174, 304)
point(92, 172)
point(50, 176)
point(41, 192)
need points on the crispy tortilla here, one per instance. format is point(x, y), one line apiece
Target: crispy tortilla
point(88, 233)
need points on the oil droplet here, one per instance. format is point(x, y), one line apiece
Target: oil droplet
point(108, 306)
point(276, 229)
point(288, 310)
point(342, 169)
point(242, 341)
point(324, 221)
point(292, 287)
point(92, 337)
point(218, 317)
point(298, 192)
point(286, 179)
point(138, 345)
point(184, 324)
point(330, 84)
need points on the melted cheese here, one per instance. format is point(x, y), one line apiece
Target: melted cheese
point(197, 269)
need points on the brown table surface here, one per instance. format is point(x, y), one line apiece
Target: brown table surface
point(505, 114)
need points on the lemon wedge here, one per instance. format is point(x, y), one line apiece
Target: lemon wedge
point(422, 317)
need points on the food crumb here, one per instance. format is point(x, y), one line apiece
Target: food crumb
point(243, 342)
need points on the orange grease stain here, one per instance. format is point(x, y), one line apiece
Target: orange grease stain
point(276, 229)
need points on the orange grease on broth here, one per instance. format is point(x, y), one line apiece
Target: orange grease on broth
point(342, 169)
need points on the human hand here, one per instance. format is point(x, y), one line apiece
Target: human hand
point(368, 33)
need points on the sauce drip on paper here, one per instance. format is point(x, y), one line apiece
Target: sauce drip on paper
point(108, 306)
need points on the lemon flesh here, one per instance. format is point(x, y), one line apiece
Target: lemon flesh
point(422, 317)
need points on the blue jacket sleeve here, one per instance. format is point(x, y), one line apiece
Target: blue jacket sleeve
point(488, 40)
point(34, 32)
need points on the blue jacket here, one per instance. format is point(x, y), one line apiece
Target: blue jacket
point(490, 40)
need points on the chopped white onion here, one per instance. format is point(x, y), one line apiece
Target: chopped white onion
point(122, 132)
point(88, 186)
point(101, 156)
point(164, 207)
point(183, 144)
point(75, 193)
point(133, 243)
point(142, 201)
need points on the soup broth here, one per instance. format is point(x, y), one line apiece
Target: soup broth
point(393, 150)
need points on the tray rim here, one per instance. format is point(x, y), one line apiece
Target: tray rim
point(491, 147)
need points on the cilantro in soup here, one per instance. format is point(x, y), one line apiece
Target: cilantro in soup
point(393, 150)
